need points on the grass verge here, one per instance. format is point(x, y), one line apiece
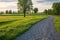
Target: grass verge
point(13, 29)
point(57, 23)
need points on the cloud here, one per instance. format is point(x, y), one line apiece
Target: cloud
point(8, 6)
point(51, 0)
point(41, 1)
point(40, 4)
point(8, 0)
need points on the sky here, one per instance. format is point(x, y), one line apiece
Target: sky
point(40, 4)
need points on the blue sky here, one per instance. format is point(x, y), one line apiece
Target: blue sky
point(40, 4)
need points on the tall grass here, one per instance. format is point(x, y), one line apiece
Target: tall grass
point(57, 23)
point(13, 26)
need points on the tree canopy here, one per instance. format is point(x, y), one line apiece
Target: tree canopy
point(35, 10)
point(24, 5)
point(56, 8)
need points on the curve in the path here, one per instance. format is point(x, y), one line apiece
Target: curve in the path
point(43, 30)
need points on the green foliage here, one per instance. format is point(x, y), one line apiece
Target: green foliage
point(10, 11)
point(16, 26)
point(14, 12)
point(45, 11)
point(57, 23)
point(50, 12)
point(1, 12)
point(6, 12)
point(35, 10)
point(56, 8)
point(24, 5)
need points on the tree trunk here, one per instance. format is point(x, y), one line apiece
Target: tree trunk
point(24, 11)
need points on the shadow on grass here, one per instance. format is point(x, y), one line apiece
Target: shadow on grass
point(7, 22)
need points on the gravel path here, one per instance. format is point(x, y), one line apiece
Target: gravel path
point(43, 30)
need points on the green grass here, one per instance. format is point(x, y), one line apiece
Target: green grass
point(57, 23)
point(13, 26)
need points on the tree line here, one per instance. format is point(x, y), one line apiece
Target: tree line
point(55, 9)
point(8, 12)
point(35, 10)
point(24, 6)
point(27, 5)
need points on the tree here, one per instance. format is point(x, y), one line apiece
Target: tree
point(24, 4)
point(56, 8)
point(6, 12)
point(50, 11)
point(45, 11)
point(35, 10)
point(1, 12)
point(10, 11)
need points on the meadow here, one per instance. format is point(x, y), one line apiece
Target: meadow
point(57, 23)
point(13, 26)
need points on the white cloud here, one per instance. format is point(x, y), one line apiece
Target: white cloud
point(13, 6)
point(8, 6)
point(41, 6)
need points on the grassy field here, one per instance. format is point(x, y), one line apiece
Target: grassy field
point(57, 23)
point(12, 26)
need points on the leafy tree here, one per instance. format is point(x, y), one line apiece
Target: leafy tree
point(24, 4)
point(50, 12)
point(56, 8)
point(35, 10)
point(1, 12)
point(7, 12)
point(45, 11)
point(10, 11)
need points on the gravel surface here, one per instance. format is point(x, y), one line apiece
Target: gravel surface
point(43, 30)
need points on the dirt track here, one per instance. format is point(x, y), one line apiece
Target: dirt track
point(43, 30)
